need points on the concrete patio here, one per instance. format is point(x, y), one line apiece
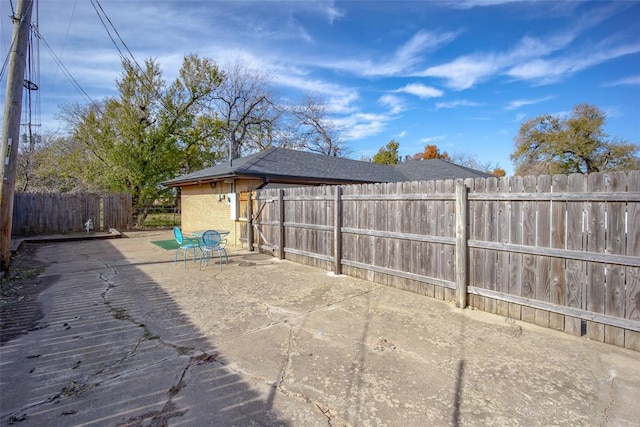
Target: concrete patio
point(127, 338)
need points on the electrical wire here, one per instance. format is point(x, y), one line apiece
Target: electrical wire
point(142, 76)
point(66, 72)
point(13, 41)
point(66, 37)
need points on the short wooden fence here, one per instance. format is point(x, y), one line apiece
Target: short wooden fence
point(52, 213)
point(559, 251)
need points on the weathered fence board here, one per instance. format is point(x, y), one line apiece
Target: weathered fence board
point(543, 263)
point(515, 259)
point(558, 279)
point(575, 270)
point(562, 252)
point(632, 274)
point(615, 242)
point(54, 213)
point(595, 289)
point(502, 265)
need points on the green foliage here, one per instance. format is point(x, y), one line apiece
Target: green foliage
point(576, 144)
point(388, 155)
point(151, 131)
point(162, 220)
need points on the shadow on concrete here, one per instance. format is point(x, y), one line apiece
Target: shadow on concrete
point(113, 348)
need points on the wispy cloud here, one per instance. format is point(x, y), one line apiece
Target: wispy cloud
point(430, 139)
point(545, 71)
point(456, 104)
point(627, 81)
point(468, 70)
point(529, 59)
point(332, 12)
point(514, 105)
point(361, 125)
point(468, 4)
point(421, 91)
point(395, 104)
point(519, 118)
point(401, 62)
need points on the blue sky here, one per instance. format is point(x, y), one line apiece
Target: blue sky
point(463, 75)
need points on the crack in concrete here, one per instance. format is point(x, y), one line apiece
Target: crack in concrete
point(605, 415)
point(298, 315)
point(287, 360)
point(279, 386)
point(157, 418)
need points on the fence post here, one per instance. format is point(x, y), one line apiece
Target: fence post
point(281, 222)
point(461, 244)
point(337, 231)
point(249, 221)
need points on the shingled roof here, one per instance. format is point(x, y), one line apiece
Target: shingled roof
point(284, 165)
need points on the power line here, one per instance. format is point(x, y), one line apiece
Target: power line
point(66, 72)
point(13, 45)
point(144, 79)
point(66, 36)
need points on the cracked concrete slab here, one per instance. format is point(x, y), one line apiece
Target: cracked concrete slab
point(127, 338)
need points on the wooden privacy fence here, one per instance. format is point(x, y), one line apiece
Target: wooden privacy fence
point(52, 213)
point(559, 251)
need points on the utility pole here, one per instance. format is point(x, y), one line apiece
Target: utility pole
point(11, 126)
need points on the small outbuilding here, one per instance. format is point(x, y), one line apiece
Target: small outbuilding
point(216, 197)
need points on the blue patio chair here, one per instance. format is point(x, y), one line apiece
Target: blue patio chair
point(212, 242)
point(186, 245)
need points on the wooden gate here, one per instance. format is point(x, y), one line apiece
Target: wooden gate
point(264, 216)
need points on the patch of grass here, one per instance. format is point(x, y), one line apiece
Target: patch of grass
point(176, 388)
point(120, 314)
point(147, 335)
point(162, 220)
point(183, 350)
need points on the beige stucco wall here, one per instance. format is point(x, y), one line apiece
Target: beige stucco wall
point(205, 207)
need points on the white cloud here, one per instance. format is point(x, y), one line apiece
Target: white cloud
point(395, 104)
point(514, 105)
point(465, 71)
point(421, 90)
point(468, 4)
point(520, 118)
point(362, 125)
point(627, 81)
point(401, 62)
point(430, 139)
point(545, 71)
point(456, 104)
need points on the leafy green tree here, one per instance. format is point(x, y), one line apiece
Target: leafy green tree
point(575, 144)
point(151, 131)
point(388, 155)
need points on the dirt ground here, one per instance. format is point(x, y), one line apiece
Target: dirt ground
point(19, 290)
